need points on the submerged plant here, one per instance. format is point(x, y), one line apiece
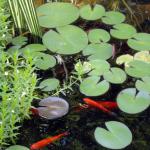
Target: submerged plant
point(16, 94)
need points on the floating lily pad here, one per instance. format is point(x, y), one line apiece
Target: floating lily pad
point(99, 67)
point(19, 41)
point(124, 59)
point(140, 42)
point(69, 39)
point(17, 147)
point(49, 84)
point(113, 17)
point(143, 56)
point(138, 69)
point(115, 75)
point(98, 51)
point(89, 13)
point(118, 135)
point(83, 68)
point(51, 15)
point(123, 31)
point(143, 84)
point(92, 86)
point(54, 107)
point(98, 36)
point(44, 61)
point(131, 102)
point(33, 48)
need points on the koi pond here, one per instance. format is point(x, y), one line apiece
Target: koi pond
point(75, 75)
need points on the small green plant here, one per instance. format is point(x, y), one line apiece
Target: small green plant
point(4, 24)
point(17, 84)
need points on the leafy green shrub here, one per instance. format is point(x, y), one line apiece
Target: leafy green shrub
point(17, 84)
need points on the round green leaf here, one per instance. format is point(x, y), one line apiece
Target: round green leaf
point(138, 69)
point(98, 36)
point(44, 61)
point(19, 41)
point(118, 135)
point(123, 31)
point(143, 56)
point(67, 40)
point(51, 15)
point(143, 84)
point(98, 51)
point(31, 49)
point(98, 67)
point(115, 75)
point(49, 84)
point(140, 42)
point(17, 147)
point(89, 13)
point(92, 86)
point(131, 102)
point(113, 17)
point(124, 59)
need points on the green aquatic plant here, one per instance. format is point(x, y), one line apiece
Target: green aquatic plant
point(118, 135)
point(25, 17)
point(5, 26)
point(17, 147)
point(17, 85)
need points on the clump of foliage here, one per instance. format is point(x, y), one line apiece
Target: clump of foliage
point(4, 24)
point(17, 84)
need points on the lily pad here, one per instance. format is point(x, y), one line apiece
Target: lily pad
point(82, 68)
point(123, 31)
point(92, 86)
point(17, 147)
point(113, 17)
point(98, 36)
point(53, 107)
point(124, 59)
point(98, 51)
point(137, 68)
point(69, 39)
point(143, 84)
point(140, 42)
point(143, 56)
point(89, 13)
point(49, 84)
point(31, 48)
point(19, 41)
point(131, 102)
point(98, 67)
point(118, 135)
point(44, 61)
point(51, 15)
point(115, 75)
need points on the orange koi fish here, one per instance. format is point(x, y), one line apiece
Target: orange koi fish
point(98, 105)
point(40, 144)
point(107, 104)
